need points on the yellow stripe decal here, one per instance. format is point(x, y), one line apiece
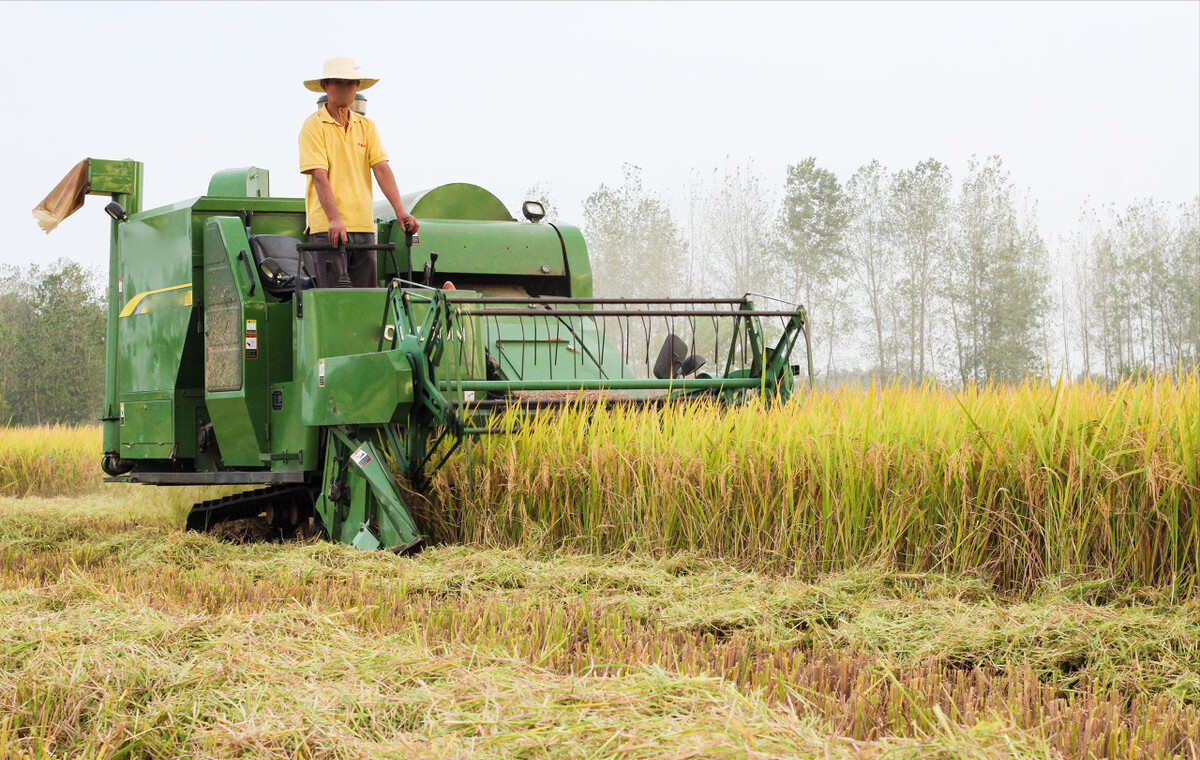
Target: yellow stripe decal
point(131, 307)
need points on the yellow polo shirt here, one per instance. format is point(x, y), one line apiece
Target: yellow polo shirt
point(347, 153)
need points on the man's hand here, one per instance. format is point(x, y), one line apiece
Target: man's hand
point(408, 222)
point(337, 228)
point(337, 232)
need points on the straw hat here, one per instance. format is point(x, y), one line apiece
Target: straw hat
point(339, 68)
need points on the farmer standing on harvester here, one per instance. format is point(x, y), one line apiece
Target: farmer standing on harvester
point(339, 150)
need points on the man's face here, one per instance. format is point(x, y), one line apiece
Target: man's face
point(341, 92)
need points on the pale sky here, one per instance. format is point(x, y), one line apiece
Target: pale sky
point(1080, 99)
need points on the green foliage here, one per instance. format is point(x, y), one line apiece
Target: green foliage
point(637, 249)
point(814, 219)
point(812, 223)
point(906, 277)
point(52, 328)
point(998, 279)
point(735, 234)
point(873, 256)
point(920, 209)
point(1138, 288)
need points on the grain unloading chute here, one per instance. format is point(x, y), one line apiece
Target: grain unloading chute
point(226, 366)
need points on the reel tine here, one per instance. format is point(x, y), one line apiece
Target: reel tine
point(603, 343)
point(554, 343)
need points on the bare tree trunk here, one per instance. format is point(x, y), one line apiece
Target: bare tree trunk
point(924, 290)
point(878, 316)
point(958, 344)
point(1062, 294)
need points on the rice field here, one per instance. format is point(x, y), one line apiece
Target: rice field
point(898, 572)
point(1010, 484)
point(50, 460)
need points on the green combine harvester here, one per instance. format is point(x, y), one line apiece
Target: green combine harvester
point(225, 365)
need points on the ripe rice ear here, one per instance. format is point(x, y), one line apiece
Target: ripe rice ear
point(1012, 483)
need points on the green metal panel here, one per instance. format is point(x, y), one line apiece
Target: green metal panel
point(579, 268)
point(290, 223)
point(209, 459)
point(457, 200)
point(483, 248)
point(154, 309)
point(147, 429)
point(362, 389)
point(189, 401)
point(474, 235)
point(246, 182)
point(235, 362)
point(231, 206)
point(276, 341)
point(120, 179)
point(338, 322)
point(123, 181)
point(345, 379)
point(294, 445)
point(155, 299)
point(110, 417)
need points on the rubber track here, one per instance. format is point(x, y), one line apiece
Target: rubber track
point(206, 514)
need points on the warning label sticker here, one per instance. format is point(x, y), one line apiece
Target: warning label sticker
point(251, 338)
point(321, 373)
point(360, 457)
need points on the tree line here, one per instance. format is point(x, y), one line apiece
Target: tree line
point(1130, 296)
point(52, 330)
point(911, 275)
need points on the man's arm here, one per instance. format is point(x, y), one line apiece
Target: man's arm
point(387, 183)
point(337, 228)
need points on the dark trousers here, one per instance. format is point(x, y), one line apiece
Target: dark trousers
point(364, 271)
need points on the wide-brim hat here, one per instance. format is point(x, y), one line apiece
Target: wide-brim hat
point(339, 68)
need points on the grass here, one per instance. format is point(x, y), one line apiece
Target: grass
point(123, 635)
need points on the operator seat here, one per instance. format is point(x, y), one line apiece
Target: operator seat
point(279, 263)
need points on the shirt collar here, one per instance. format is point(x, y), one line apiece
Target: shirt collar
point(327, 117)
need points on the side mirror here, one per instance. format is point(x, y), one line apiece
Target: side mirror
point(533, 211)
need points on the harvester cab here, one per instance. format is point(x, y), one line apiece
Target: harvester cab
point(226, 365)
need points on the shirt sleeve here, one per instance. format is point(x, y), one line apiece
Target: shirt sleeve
point(375, 151)
point(312, 148)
